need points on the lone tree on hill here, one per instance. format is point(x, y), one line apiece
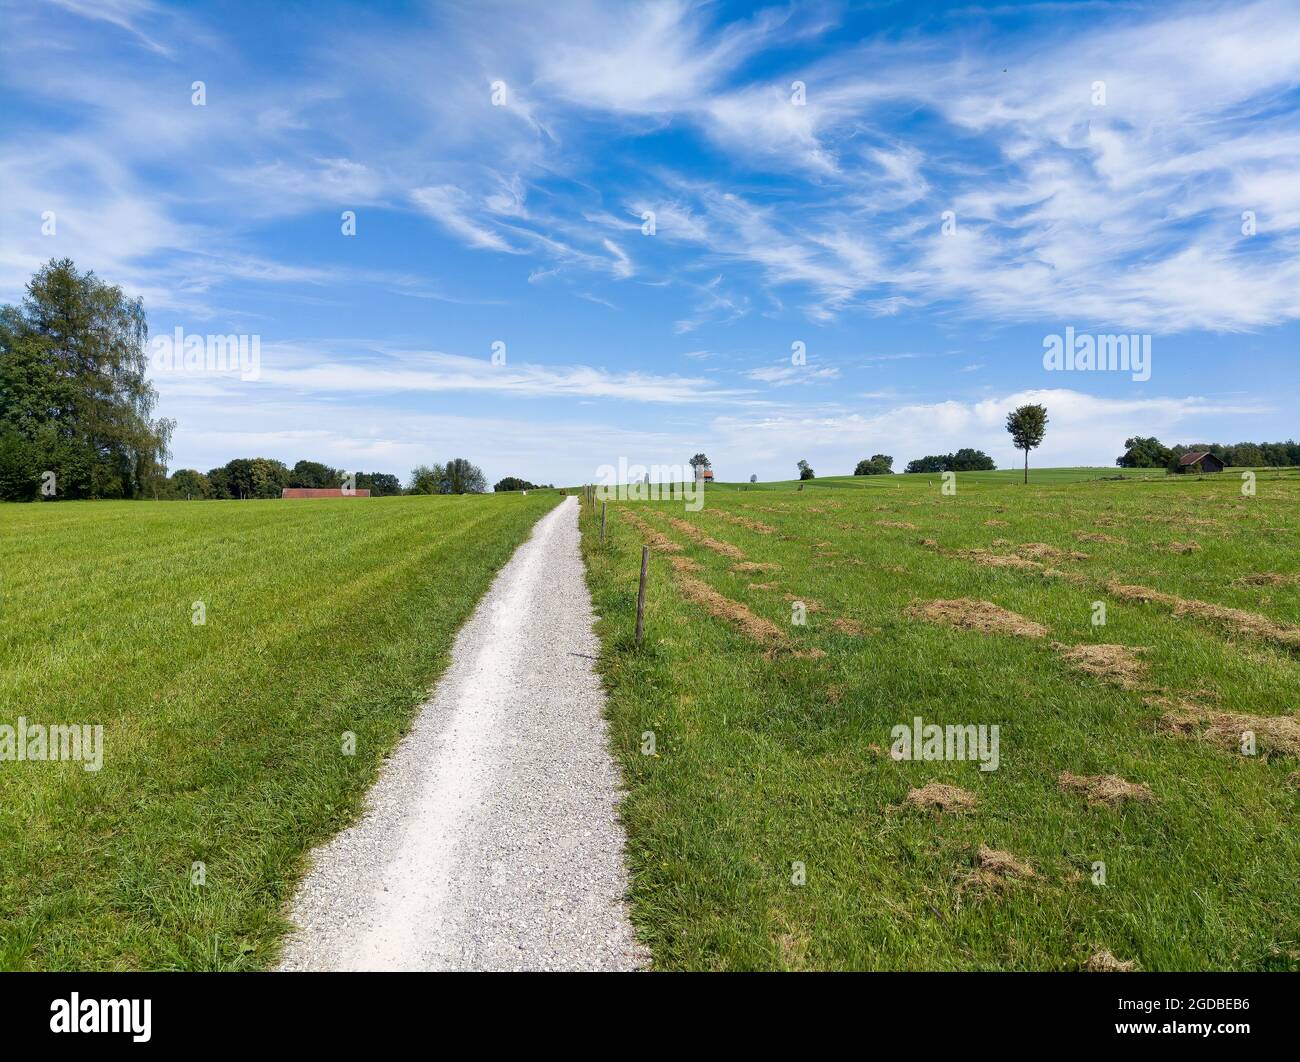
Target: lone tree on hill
point(1027, 426)
point(805, 471)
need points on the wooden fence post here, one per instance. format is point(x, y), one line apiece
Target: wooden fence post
point(602, 520)
point(640, 595)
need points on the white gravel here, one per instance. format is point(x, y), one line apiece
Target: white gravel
point(491, 840)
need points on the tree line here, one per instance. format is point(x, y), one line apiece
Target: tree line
point(265, 477)
point(76, 411)
point(1150, 452)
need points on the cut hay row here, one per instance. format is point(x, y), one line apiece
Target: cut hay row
point(715, 604)
point(1238, 620)
point(654, 539)
point(1104, 790)
point(972, 615)
point(691, 531)
point(748, 567)
point(741, 521)
point(1277, 734)
point(1117, 664)
point(942, 797)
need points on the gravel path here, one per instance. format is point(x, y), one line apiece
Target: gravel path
point(491, 840)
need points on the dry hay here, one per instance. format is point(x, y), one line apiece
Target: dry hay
point(754, 566)
point(1099, 536)
point(943, 797)
point(1104, 790)
point(1102, 961)
point(650, 536)
point(1141, 594)
point(999, 560)
point(684, 564)
point(1266, 579)
point(1042, 551)
point(848, 626)
point(1069, 577)
point(901, 525)
point(808, 602)
point(1249, 623)
point(693, 532)
point(1293, 780)
point(972, 615)
point(788, 651)
point(1113, 663)
point(928, 543)
point(753, 525)
point(714, 603)
point(764, 586)
point(1274, 734)
point(996, 523)
point(996, 871)
point(1179, 547)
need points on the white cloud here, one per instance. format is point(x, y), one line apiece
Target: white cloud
point(451, 208)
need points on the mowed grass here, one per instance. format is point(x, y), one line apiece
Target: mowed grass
point(767, 754)
point(223, 742)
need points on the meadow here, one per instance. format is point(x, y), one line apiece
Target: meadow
point(1144, 810)
point(225, 749)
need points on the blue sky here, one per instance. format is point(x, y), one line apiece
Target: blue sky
point(1097, 160)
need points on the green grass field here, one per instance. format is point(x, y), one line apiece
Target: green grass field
point(768, 753)
point(223, 742)
point(1041, 477)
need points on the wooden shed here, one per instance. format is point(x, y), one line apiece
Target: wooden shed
point(1199, 462)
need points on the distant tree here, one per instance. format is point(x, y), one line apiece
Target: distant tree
point(269, 477)
point(805, 471)
point(1140, 452)
point(699, 463)
point(220, 484)
point(1246, 455)
point(380, 484)
point(186, 483)
point(249, 477)
point(1027, 426)
point(75, 396)
point(461, 477)
point(968, 460)
point(930, 463)
point(314, 474)
point(753, 478)
point(964, 460)
point(514, 483)
point(876, 465)
point(427, 479)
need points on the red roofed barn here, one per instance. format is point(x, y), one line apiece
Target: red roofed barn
point(322, 492)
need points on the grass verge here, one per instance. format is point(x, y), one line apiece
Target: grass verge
point(223, 742)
